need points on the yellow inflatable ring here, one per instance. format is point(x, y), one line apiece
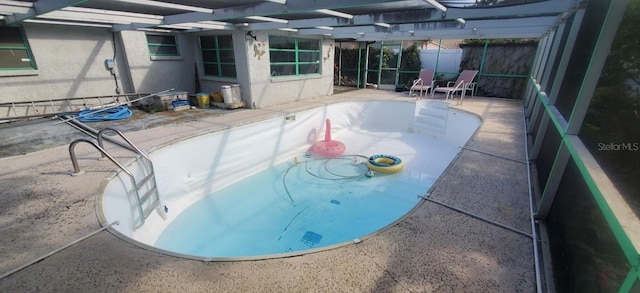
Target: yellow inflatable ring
point(385, 163)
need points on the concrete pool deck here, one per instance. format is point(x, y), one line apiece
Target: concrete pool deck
point(434, 249)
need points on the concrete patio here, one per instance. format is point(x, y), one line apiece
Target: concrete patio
point(433, 249)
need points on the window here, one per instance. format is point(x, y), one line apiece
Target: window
point(294, 56)
point(14, 50)
point(162, 46)
point(217, 56)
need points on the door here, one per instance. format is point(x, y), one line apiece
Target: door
point(383, 61)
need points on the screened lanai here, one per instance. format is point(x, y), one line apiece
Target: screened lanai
point(578, 86)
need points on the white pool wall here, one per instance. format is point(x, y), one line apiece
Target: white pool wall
point(190, 169)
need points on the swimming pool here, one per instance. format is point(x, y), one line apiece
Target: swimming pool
point(239, 193)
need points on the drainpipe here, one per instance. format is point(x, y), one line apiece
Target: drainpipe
point(123, 67)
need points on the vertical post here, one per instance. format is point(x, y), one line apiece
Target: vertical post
point(380, 64)
point(435, 70)
point(297, 72)
point(359, 67)
point(219, 65)
point(398, 63)
point(339, 64)
point(484, 53)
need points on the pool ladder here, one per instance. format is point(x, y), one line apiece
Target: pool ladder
point(150, 199)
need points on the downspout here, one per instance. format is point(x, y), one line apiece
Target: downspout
point(122, 66)
point(115, 55)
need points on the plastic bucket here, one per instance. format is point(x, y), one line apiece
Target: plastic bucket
point(227, 94)
point(235, 93)
point(203, 100)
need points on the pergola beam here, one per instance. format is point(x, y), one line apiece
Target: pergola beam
point(364, 19)
point(14, 9)
point(98, 17)
point(520, 10)
point(537, 25)
point(41, 7)
point(298, 6)
point(424, 26)
point(467, 33)
point(261, 9)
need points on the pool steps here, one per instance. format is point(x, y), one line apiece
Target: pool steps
point(431, 118)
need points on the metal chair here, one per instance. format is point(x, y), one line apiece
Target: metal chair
point(462, 84)
point(423, 83)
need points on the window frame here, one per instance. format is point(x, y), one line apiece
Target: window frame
point(153, 56)
point(297, 53)
point(11, 71)
point(217, 62)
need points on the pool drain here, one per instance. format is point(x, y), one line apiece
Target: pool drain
point(311, 238)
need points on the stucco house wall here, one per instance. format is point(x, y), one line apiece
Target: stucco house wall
point(70, 61)
point(267, 90)
point(257, 87)
point(149, 76)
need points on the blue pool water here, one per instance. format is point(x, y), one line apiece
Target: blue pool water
point(293, 207)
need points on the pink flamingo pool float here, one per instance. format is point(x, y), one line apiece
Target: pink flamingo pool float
point(328, 147)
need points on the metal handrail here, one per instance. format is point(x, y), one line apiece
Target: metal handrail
point(77, 171)
point(143, 154)
point(135, 148)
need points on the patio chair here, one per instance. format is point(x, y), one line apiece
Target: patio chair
point(423, 83)
point(462, 84)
